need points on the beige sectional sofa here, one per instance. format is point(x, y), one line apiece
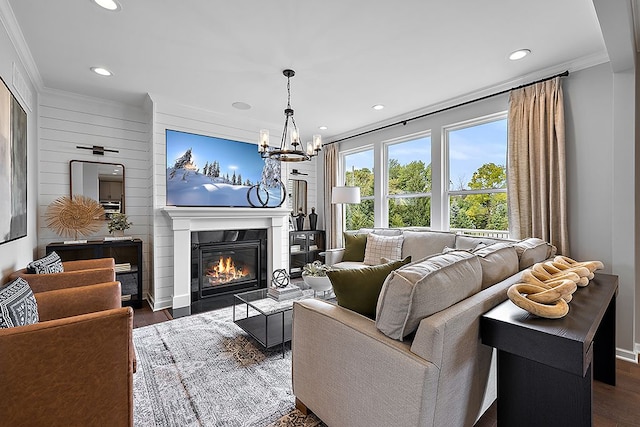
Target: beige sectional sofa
point(420, 362)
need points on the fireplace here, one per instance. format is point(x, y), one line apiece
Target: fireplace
point(228, 261)
point(185, 220)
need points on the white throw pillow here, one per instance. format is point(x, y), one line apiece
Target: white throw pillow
point(389, 247)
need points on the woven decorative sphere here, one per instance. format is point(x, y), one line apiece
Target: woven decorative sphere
point(280, 278)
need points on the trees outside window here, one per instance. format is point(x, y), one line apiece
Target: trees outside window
point(449, 177)
point(409, 182)
point(358, 167)
point(477, 190)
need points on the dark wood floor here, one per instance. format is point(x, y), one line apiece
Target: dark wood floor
point(617, 406)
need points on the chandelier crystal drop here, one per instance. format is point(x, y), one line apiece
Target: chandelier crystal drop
point(291, 149)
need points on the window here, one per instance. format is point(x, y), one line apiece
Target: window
point(409, 182)
point(477, 158)
point(441, 172)
point(358, 171)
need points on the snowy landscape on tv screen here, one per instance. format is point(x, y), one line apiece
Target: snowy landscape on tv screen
point(209, 171)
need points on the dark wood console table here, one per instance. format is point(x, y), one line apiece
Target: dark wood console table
point(127, 255)
point(545, 369)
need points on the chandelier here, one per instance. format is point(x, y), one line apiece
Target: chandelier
point(292, 150)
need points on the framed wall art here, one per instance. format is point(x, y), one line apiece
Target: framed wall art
point(13, 167)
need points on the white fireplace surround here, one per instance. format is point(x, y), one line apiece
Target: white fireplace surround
point(187, 219)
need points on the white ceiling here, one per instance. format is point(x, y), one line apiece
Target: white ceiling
point(348, 55)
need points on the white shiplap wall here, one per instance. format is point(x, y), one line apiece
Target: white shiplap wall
point(169, 115)
point(66, 121)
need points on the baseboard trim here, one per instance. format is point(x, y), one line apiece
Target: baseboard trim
point(160, 304)
point(626, 355)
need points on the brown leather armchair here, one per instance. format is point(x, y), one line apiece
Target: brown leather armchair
point(74, 367)
point(76, 273)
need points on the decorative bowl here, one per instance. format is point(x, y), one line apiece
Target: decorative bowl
point(317, 283)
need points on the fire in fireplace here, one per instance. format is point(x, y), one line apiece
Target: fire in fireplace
point(225, 271)
point(227, 261)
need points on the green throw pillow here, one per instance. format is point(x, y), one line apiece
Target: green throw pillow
point(354, 245)
point(358, 289)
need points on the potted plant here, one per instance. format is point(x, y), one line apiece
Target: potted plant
point(315, 276)
point(118, 222)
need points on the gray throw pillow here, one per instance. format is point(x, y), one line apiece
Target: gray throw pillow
point(498, 262)
point(420, 289)
point(18, 306)
point(46, 265)
point(533, 250)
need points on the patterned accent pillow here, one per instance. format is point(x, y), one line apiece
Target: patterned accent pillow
point(389, 247)
point(18, 306)
point(46, 265)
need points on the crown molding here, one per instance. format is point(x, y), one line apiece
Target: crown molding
point(635, 7)
point(14, 32)
point(572, 66)
point(59, 93)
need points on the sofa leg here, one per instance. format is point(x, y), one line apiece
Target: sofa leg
point(302, 407)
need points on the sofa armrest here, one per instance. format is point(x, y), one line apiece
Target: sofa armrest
point(80, 300)
point(66, 279)
point(333, 256)
point(77, 368)
point(347, 372)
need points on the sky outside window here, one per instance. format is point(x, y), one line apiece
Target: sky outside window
point(474, 146)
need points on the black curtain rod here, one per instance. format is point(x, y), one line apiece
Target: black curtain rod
point(404, 122)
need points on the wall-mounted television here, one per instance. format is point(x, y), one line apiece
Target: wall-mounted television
point(209, 171)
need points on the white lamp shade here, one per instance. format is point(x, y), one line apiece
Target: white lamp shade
point(345, 195)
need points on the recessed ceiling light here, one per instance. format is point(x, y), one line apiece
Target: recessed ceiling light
point(323, 127)
point(378, 107)
point(102, 71)
point(519, 54)
point(241, 105)
point(111, 5)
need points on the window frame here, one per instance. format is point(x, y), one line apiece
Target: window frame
point(386, 197)
point(446, 192)
point(342, 175)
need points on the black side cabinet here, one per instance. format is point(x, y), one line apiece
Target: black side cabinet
point(127, 255)
point(304, 248)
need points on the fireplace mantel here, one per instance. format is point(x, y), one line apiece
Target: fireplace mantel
point(184, 220)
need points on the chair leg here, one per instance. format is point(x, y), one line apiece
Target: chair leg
point(302, 407)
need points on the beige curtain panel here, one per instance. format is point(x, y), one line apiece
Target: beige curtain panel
point(536, 171)
point(331, 211)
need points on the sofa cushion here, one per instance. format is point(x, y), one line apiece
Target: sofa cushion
point(46, 265)
point(498, 262)
point(381, 231)
point(423, 288)
point(348, 265)
point(469, 243)
point(379, 247)
point(358, 289)
point(354, 245)
point(421, 244)
point(532, 250)
point(18, 306)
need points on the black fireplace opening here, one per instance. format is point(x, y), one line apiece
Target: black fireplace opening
point(225, 262)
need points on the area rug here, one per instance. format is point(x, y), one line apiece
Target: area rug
point(203, 370)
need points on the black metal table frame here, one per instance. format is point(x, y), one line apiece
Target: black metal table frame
point(246, 324)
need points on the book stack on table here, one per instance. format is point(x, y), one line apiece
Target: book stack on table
point(288, 292)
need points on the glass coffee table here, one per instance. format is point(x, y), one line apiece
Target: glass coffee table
point(264, 317)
